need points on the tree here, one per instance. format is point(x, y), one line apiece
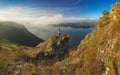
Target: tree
point(104, 20)
point(104, 12)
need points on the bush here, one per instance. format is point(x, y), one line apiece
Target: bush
point(105, 20)
point(105, 12)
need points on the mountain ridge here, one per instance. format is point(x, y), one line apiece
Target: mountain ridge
point(18, 33)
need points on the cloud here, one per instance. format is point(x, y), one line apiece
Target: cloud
point(30, 16)
point(45, 20)
point(36, 16)
point(76, 19)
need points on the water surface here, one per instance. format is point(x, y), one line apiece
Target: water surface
point(77, 34)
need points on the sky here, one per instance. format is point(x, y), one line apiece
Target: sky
point(47, 12)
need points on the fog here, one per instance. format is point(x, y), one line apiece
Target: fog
point(36, 17)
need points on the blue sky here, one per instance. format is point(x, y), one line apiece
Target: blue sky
point(63, 8)
point(80, 8)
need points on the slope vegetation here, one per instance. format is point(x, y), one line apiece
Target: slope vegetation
point(19, 60)
point(17, 33)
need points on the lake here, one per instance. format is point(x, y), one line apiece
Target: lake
point(76, 34)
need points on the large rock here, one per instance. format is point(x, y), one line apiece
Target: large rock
point(54, 47)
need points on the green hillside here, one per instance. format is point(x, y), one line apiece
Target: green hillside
point(18, 33)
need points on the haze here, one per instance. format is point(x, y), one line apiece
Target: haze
point(49, 12)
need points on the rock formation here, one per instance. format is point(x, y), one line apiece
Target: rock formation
point(53, 48)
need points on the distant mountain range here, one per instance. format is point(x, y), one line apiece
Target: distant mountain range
point(77, 25)
point(18, 33)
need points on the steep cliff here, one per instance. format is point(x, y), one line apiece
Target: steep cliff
point(99, 52)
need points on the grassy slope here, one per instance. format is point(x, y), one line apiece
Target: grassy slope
point(14, 58)
point(17, 33)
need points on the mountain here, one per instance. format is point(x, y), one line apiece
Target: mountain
point(97, 54)
point(18, 33)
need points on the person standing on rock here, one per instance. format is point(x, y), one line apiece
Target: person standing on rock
point(59, 32)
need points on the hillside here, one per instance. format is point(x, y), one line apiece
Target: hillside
point(17, 33)
point(97, 54)
point(12, 55)
point(20, 60)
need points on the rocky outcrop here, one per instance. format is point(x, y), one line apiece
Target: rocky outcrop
point(56, 47)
